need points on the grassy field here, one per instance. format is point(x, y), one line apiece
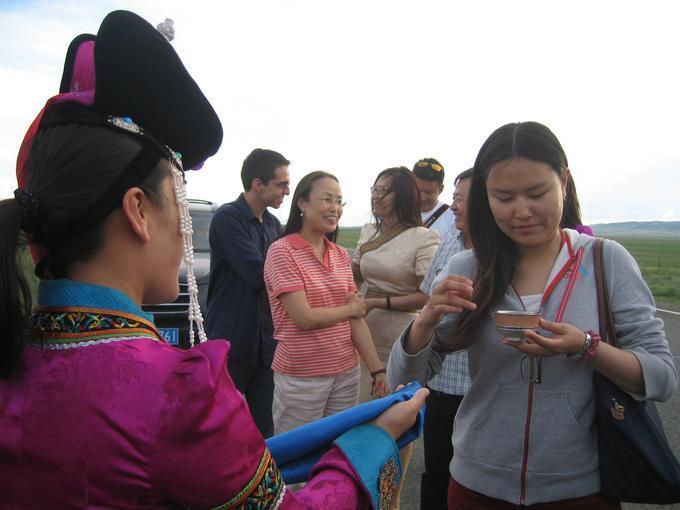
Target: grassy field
point(348, 237)
point(659, 260)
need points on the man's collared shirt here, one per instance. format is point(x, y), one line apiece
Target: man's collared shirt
point(238, 307)
point(453, 378)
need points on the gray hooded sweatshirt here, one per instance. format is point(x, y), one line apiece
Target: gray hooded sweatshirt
point(529, 443)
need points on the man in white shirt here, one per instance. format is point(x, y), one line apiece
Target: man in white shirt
point(429, 174)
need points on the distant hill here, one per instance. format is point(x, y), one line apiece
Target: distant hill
point(667, 229)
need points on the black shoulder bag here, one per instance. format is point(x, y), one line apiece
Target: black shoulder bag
point(637, 464)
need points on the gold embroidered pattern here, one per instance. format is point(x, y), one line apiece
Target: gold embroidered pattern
point(264, 491)
point(73, 326)
point(388, 483)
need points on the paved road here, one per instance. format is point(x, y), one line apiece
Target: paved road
point(669, 411)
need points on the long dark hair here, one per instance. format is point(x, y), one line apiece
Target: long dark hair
point(496, 254)
point(70, 168)
point(407, 202)
point(571, 215)
point(302, 190)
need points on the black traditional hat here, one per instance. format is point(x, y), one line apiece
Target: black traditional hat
point(127, 78)
point(141, 88)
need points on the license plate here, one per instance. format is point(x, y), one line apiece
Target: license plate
point(170, 335)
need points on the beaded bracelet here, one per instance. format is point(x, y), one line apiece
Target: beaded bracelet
point(588, 350)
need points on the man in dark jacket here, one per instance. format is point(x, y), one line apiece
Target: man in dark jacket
point(238, 308)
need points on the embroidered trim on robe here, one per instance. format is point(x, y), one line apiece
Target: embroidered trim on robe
point(264, 491)
point(78, 326)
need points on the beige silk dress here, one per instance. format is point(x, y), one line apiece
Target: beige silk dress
point(393, 264)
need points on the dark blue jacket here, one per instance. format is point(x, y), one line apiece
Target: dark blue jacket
point(238, 308)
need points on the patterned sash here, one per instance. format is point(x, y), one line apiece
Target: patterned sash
point(385, 237)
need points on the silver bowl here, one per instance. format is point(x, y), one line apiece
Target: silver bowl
point(513, 334)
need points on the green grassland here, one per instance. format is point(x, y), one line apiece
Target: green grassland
point(348, 237)
point(658, 258)
point(659, 261)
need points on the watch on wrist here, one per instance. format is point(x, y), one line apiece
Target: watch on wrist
point(589, 348)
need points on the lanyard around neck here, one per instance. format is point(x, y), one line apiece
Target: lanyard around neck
point(571, 267)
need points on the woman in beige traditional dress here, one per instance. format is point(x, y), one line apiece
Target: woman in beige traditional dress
point(392, 257)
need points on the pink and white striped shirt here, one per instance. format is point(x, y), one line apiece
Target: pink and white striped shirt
point(291, 266)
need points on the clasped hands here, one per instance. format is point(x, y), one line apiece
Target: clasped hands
point(360, 306)
point(379, 386)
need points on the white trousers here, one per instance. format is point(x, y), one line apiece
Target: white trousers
point(300, 400)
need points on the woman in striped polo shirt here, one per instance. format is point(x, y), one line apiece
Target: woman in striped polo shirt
point(318, 317)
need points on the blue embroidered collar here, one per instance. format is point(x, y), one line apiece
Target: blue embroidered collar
point(70, 293)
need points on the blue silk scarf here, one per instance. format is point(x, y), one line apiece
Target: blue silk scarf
point(297, 450)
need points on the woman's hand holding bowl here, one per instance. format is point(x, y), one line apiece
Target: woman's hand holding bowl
point(565, 339)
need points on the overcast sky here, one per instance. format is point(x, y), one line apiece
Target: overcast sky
point(354, 87)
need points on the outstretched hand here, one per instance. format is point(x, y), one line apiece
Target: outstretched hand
point(451, 295)
point(565, 339)
point(400, 417)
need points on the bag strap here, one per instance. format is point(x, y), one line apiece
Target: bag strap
point(606, 318)
point(435, 215)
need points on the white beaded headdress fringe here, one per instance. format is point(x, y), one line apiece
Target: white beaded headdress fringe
point(167, 28)
point(187, 231)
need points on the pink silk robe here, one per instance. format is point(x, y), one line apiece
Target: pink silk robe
point(135, 423)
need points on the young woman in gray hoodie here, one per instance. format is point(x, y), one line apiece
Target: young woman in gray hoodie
point(525, 432)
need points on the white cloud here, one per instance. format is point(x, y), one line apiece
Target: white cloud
point(355, 87)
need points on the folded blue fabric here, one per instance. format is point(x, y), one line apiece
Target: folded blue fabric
point(297, 450)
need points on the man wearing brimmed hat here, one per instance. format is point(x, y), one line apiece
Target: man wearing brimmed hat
point(429, 174)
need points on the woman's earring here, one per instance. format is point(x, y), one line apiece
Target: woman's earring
point(302, 213)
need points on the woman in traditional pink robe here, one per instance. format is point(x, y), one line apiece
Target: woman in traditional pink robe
point(96, 410)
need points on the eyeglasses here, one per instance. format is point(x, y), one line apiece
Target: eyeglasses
point(328, 201)
point(282, 184)
point(433, 166)
point(380, 191)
